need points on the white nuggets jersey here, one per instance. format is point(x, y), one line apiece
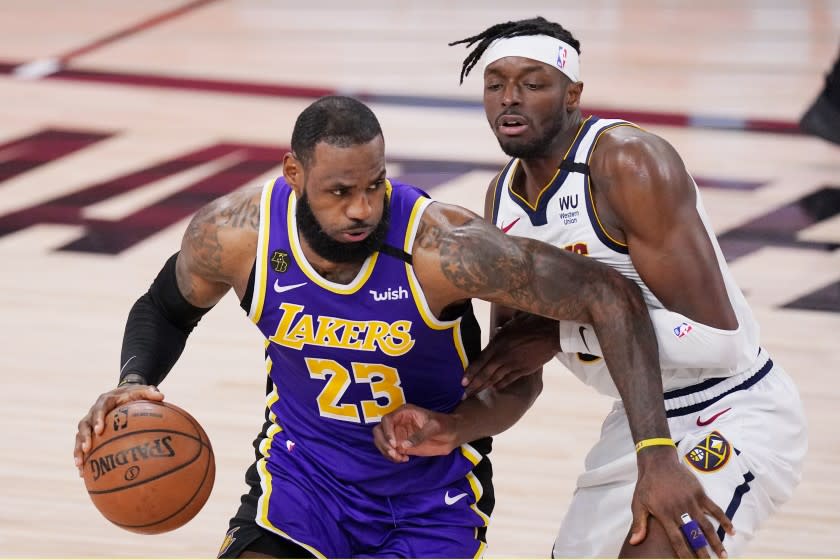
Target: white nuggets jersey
point(564, 215)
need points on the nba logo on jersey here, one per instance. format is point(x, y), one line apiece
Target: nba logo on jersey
point(561, 58)
point(682, 329)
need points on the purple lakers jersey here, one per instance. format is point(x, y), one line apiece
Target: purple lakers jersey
point(341, 356)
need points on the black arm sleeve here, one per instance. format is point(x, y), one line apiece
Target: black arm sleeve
point(157, 328)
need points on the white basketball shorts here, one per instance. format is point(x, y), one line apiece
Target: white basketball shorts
point(744, 437)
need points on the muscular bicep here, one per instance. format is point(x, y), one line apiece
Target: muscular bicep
point(646, 186)
point(219, 247)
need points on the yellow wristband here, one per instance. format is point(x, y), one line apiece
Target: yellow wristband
point(654, 441)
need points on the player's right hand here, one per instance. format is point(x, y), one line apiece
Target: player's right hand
point(520, 347)
point(94, 421)
point(414, 430)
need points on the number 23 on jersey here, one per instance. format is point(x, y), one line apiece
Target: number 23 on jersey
point(384, 384)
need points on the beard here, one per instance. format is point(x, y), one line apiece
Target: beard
point(336, 251)
point(536, 147)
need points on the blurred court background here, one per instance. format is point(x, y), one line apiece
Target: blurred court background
point(118, 119)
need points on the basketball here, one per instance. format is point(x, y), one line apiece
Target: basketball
point(152, 468)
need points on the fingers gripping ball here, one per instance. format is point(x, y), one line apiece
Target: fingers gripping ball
point(152, 468)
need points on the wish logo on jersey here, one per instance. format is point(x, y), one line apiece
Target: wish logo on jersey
point(390, 294)
point(711, 454)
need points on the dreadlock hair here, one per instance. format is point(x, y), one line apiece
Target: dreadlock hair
point(534, 26)
point(337, 120)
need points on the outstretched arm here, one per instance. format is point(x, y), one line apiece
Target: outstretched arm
point(535, 337)
point(460, 256)
point(216, 254)
point(413, 430)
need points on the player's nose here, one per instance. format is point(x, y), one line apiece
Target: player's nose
point(360, 207)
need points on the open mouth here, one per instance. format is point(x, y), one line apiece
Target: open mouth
point(511, 125)
point(355, 234)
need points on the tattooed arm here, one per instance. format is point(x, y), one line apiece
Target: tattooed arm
point(219, 248)
point(457, 256)
point(217, 252)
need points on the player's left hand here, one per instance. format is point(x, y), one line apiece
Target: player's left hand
point(413, 430)
point(518, 348)
point(665, 490)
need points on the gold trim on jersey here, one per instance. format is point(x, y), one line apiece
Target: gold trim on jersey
point(474, 457)
point(512, 172)
point(471, 453)
point(272, 398)
point(589, 182)
point(495, 195)
point(294, 241)
point(266, 447)
point(261, 272)
point(417, 294)
point(262, 505)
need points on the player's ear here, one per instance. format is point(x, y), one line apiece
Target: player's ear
point(573, 92)
point(293, 172)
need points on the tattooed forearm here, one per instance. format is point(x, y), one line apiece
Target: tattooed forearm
point(531, 276)
point(481, 266)
point(516, 272)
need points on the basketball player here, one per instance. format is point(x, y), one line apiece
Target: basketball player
point(361, 288)
point(620, 195)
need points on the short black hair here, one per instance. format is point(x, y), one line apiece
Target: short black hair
point(534, 26)
point(337, 120)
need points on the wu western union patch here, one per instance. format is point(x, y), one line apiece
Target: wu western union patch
point(711, 454)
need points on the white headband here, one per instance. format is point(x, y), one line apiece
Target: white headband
point(541, 48)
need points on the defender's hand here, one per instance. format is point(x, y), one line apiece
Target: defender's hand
point(520, 347)
point(666, 489)
point(94, 421)
point(413, 430)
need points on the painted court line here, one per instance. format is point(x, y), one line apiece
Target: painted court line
point(46, 66)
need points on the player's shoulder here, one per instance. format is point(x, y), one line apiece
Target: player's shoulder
point(221, 240)
point(443, 215)
point(628, 140)
point(631, 150)
point(239, 209)
point(399, 188)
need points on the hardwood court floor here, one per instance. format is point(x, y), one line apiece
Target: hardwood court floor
point(155, 107)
